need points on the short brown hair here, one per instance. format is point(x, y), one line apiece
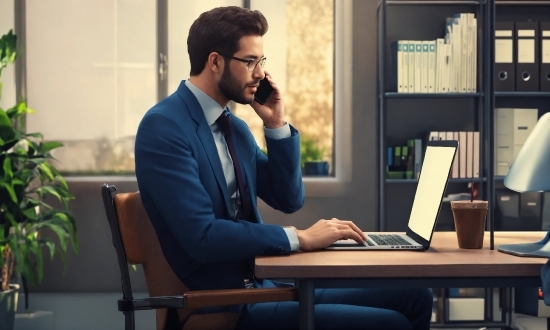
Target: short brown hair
point(220, 30)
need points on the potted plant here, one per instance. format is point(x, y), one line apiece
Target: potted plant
point(311, 157)
point(26, 178)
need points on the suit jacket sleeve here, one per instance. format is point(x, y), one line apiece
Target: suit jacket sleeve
point(279, 177)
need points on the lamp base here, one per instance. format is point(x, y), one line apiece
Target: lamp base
point(539, 249)
point(526, 249)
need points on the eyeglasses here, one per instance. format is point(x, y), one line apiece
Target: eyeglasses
point(248, 62)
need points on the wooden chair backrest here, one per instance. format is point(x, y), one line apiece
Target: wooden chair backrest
point(142, 246)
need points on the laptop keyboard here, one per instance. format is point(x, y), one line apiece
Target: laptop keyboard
point(389, 239)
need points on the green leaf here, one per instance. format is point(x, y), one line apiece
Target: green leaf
point(35, 135)
point(6, 128)
point(30, 213)
point(8, 173)
point(45, 168)
point(50, 245)
point(8, 143)
point(47, 146)
point(37, 202)
point(61, 234)
point(48, 190)
point(10, 190)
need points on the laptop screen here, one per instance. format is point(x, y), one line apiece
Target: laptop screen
point(429, 193)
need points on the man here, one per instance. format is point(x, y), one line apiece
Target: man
point(199, 185)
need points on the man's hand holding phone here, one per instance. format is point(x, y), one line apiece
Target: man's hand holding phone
point(272, 110)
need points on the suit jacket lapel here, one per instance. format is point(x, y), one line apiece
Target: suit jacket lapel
point(205, 136)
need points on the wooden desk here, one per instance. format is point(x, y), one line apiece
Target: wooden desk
point(443, 265)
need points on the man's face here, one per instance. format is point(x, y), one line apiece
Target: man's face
point(237, 82)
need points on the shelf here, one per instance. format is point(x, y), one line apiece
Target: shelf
point(522, 3)
point(522, 94)
point(466, 180)
point(498, 178)
point(394, 95)
point(434, 2)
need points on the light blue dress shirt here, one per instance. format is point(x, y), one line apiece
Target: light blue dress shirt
point(212, 110)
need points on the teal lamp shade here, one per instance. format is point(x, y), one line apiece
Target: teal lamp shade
point(530, 171)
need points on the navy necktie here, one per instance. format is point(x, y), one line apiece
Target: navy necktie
point(245, 208)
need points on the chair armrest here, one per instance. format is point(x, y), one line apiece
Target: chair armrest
point(210, 298)
point(151, 303)
point(213, 298)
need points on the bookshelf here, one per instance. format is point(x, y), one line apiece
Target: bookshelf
point(403, 116)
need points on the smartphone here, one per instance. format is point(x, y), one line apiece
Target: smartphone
point(264, 92)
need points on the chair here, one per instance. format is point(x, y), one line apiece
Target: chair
point(136, 242)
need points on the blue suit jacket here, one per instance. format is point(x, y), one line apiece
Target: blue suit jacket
point(184, 192)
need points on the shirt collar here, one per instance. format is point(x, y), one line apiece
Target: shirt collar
point(212, 110)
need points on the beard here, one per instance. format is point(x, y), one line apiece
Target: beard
point(232, 89)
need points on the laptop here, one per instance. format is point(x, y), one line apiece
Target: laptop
point(436, 169)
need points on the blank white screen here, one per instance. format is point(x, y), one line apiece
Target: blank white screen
point(435, 171)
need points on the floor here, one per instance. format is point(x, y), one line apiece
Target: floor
point(94, 311)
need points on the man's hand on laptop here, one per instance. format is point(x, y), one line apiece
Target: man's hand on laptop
point(325, 232)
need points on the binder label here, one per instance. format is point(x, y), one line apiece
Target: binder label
point(526, 33)
point(546, 50)
point(504, 51)
point(526, 50)
point(503, 33)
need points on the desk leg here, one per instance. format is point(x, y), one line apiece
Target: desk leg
point(548, 323)
point(306, 298)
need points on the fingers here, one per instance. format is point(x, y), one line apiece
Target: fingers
point(356, 229)
point(352, 226)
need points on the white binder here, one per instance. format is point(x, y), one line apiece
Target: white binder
point(439, 54)
point(431, 66)
point(404, 65)
point(399, 67)
point(418, 66)
point(469, 154)
point(476, 155)
point(463, 155)
point(456, 165)
point(424, 65)
point(411, 65)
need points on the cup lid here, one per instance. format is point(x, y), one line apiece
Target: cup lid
point(476, 204)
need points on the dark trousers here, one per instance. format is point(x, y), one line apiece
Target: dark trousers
point(392, 309)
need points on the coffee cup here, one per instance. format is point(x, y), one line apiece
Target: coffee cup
point(469, 218)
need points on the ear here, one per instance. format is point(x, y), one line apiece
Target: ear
point(215, 62)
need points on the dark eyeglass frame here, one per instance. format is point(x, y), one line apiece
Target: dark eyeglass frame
point(260, 61)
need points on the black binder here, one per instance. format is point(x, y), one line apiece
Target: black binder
point(527, 56)
point(545, 57)
point(504, 57)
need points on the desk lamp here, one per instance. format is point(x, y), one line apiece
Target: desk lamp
point(530, 171)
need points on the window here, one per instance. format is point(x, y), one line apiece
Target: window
point(91, 76)
point(92, 72)
point(301, 59)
